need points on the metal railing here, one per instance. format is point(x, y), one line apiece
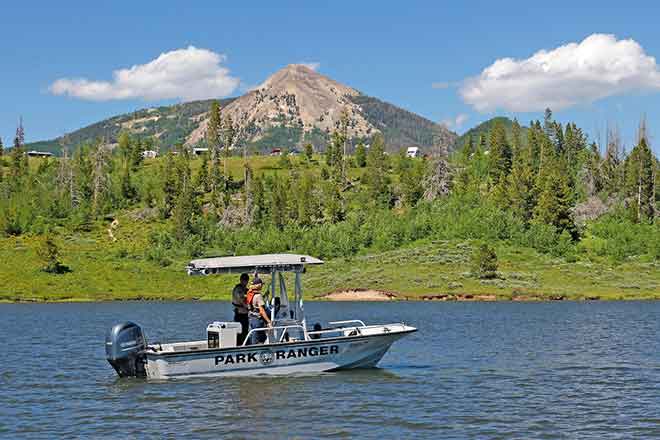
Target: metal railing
point(268, 329)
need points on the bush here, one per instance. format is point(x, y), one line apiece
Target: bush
point(49, 253)
point(484, 262)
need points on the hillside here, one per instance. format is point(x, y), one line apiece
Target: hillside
point(294, 106)
point(484, 128)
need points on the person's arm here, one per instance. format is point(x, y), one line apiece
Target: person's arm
point(264, 315)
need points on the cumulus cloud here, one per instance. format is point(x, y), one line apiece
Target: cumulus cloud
point(186, 74)
point(314, 65)
point(455, 123)
point(576, 73)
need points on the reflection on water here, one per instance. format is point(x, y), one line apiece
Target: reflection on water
point(572, 370)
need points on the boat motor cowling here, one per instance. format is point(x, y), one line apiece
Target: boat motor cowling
point(124, 348)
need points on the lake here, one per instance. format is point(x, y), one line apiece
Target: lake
point(588, 370)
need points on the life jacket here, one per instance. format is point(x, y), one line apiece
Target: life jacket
point(249, 297)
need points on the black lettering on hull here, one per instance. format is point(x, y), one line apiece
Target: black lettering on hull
point(303, 352)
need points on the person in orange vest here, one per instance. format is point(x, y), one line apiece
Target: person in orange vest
point(258, 310)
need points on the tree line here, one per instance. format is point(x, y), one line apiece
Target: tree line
point(552, 190)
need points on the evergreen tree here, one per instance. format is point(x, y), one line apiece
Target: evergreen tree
point(82, 177)
point(520, 186)
point(484, 262)
point(127, 189)
point(516, 138)
point(412, 183)
point(229, 133)
point(169, 185)
point(333, 201)
point(554, 202)
point(213, 130)
point(202, 179)
point(309, 151)
point(640, 181)
point(611, 172)
point(500, 153)
point(18, 167)
point(137, 148)
point(306, 200)
point(124, 146)
point(360, 155)
point(2, 148)
point(375, 175)
point(100, 178)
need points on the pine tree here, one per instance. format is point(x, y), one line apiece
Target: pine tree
point(640, 181)
point(516, 138)
point(520, 186)
point(375, 175)
point(137, 148)
point(500, 153)
point(100, 178)
point(127, 189)
point(306, 200)
point(360, 155)
point(554, 202)
point(169, 185)
point(412, 182)
point(2, 148)
point(213, 130)
point(229, 133)
point(333, 201)
point(124, 146)
point(611, 165)
point(309, 151)
point(82, 166)
point(202, 179)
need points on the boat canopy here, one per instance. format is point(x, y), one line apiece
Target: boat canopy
point(267, 263)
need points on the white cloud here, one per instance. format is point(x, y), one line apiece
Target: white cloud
point(314, 65)
point(186, 74)
point(576, 73)
point(455, 123)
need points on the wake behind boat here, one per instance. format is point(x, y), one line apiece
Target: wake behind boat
point(289, 346)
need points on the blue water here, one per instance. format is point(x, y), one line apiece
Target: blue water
point(585, 370)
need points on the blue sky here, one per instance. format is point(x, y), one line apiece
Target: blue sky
point(395, 51)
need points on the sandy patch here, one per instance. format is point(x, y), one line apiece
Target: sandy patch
point(359, 295)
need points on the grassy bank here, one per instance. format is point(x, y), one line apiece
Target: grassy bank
point(104, 269)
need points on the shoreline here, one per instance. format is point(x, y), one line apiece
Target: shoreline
point(356, 295)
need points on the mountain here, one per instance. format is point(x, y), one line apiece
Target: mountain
point(294, 106)
point(484, 128)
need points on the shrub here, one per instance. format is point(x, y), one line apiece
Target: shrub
point(49, 253)
point(484, 262)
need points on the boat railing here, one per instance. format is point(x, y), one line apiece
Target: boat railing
point(284, 328)
point(349, 321)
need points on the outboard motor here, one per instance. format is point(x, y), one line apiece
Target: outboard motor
point(124, 348)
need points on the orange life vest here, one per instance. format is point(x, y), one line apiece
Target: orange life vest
point(249, 297)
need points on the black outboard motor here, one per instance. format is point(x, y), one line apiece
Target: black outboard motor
point(124, 348)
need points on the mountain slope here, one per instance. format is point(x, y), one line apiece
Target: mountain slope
point(294, 106)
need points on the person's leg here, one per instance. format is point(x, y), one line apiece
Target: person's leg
point(245, 327)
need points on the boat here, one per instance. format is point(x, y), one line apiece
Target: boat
point(290, 347)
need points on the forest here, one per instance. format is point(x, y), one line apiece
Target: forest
point(544, 189)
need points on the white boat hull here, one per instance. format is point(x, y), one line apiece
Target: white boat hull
point(300, 357)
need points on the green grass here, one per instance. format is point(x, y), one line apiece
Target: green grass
point(107, 270)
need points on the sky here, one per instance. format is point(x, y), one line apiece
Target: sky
point(69, 64)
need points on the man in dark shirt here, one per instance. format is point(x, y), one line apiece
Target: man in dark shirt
point(240, 307)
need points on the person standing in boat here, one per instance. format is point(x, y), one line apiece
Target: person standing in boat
point(238, 300)
point(258, 311)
